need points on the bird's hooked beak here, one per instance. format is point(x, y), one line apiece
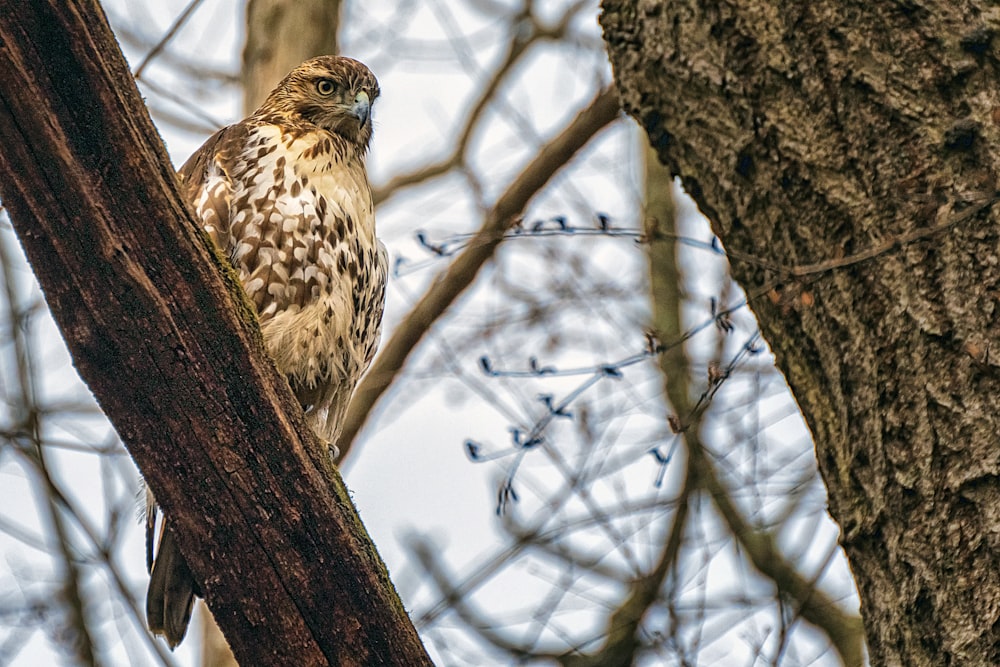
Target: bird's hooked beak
point(361, 108)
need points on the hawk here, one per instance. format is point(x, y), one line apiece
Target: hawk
point(284, 194)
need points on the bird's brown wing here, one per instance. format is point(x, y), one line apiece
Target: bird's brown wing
point(171, 591)
point(208, 184)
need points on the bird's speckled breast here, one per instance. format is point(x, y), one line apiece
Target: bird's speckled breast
point(302, 237)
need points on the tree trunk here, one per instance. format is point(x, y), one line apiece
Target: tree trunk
point(280, 35)
point(846, 154)
point(167, 342)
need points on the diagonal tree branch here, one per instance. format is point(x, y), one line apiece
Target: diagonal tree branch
point(845, 631)
point(464, 269)
point(169, 346)
point(525, 32)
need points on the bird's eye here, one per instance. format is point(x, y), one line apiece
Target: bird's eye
point(325, 87)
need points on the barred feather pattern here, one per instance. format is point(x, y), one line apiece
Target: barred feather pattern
point(285, 195)
point(300, 232)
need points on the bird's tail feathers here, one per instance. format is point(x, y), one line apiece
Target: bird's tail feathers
point(171, 591)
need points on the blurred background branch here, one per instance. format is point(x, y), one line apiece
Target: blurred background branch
point(463, 270)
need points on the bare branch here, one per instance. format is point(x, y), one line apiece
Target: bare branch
point(622, 641)
point(463, 270)
point(169, 35)
point(845, 631)
point(519, 45)
point(80, 640)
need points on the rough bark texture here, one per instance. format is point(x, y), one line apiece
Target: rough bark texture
point(280, 35)
point(846, 152)
point(176, 361)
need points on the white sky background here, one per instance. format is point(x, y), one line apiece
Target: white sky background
point(412, 476)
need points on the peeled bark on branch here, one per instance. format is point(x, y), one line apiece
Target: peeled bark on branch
point(169, 346)
point(860, 140)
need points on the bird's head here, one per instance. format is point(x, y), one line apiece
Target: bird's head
point(331, 92)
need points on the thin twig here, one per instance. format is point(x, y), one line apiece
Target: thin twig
point(623, 627)
point(518, 47)
point(844, 630)
point(803, 270)
point(171, 32)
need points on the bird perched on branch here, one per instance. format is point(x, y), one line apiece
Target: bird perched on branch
point(284, 194)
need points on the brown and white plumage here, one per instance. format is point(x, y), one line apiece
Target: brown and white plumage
point(285, 195)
